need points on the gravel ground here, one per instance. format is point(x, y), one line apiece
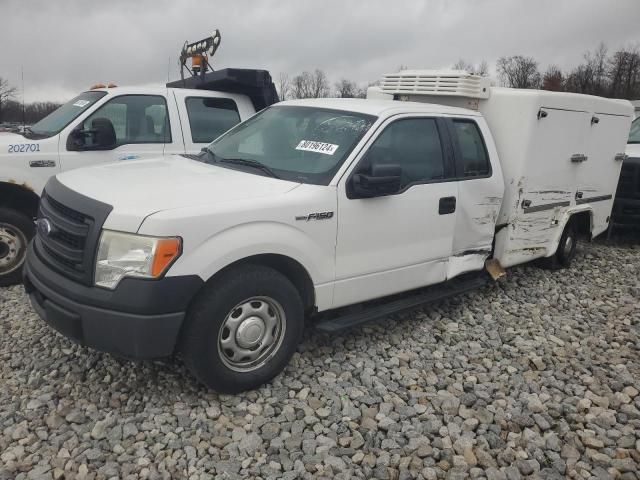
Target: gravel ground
point(534, 377)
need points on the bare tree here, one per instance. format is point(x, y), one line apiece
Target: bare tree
point(7, 92)
point(518, 72)
point(481, 69)
point(300, 85)
point(310, 85)
point(346, 89)
point(624, 74)
point(590, 76)
point(597, 62)
point(553, 79)
point(319, 84)
point(284, 85)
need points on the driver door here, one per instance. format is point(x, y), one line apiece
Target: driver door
point(140, 125)
point(400, 241)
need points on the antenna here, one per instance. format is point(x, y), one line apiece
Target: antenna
point(22, 75)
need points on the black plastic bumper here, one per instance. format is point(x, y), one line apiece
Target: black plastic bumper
point(140, 319)
point(626, 211)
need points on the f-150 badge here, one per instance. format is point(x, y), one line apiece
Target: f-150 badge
point(315, 216)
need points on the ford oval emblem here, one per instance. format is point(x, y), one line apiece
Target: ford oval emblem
point(44, 226)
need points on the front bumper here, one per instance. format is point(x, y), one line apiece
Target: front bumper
point(140, 319)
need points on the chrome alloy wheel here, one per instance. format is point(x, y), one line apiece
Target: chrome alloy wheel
point(13, 246)
point(251, 333)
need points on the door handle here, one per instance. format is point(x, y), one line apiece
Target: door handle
point(447, 205)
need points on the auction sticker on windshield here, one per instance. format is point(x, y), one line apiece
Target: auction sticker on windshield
point(318, 147)
point(81, 103)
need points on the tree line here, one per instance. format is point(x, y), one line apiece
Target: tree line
point(13, 111)
point(316, 85)
point(614, 75)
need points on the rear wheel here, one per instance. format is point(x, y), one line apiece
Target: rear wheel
point(566, 250)
point(242, 329)
point(16, 229)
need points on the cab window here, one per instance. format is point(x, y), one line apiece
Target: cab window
point(471, 148)
point(414, 145)
point(210, 117)
point(135, 119)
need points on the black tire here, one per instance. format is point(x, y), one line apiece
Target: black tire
point(566, 250)
point(218, 304)
point(16, 230)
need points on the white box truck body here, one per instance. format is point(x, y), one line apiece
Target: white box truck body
point(560, 153)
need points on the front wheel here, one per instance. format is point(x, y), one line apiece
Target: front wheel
point(242, 329)
point(16, 229)
point(566, 250)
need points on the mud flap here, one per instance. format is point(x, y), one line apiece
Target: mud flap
point(494, 269)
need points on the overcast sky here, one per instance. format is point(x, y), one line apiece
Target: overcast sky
point(65, 46)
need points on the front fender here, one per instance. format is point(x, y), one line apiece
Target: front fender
point(17, 177)
point(228, 246)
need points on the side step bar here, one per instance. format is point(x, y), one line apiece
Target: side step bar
point(335, 321)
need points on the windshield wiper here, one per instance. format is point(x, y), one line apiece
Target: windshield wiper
point(247, 163)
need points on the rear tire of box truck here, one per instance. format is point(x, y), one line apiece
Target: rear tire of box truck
point(566, 250)
point(16, 230)
point(242, 328)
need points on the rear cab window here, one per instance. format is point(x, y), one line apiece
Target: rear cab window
point(210, 117)
point(471, 151)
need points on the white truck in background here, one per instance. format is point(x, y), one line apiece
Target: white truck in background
point(330, 211)
point(116, 124)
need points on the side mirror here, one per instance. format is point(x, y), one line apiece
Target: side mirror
point(383, 180)
point(102, 136)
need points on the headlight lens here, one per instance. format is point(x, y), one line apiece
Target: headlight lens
point(129, 255)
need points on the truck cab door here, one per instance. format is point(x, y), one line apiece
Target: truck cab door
point(480, 193)
point(402, 239)
point(207, 115)
point(126, 127)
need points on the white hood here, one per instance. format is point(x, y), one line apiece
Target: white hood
point(141, 188)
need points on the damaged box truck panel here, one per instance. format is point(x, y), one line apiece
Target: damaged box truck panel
point(560, 154)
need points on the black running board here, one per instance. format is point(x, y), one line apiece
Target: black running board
point(331, 322)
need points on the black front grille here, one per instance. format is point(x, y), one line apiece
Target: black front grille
point(63, 244)
point(68, 231)
point(629, 184)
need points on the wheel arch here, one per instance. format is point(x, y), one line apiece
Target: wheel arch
point(20, 197)
point(583, 218)
point(287, 266)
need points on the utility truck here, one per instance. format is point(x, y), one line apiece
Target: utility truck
point(107, 124)
point(325, 212)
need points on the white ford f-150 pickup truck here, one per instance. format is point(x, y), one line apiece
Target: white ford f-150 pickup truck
point(315, 207)
point(116, 124)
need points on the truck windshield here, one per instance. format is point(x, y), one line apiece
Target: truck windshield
point(53, 123)
point(301, 144)
point(634, 134)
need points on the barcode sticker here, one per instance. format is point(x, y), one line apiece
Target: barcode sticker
point(318, 147)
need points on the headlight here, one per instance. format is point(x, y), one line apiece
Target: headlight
point(129, 255)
